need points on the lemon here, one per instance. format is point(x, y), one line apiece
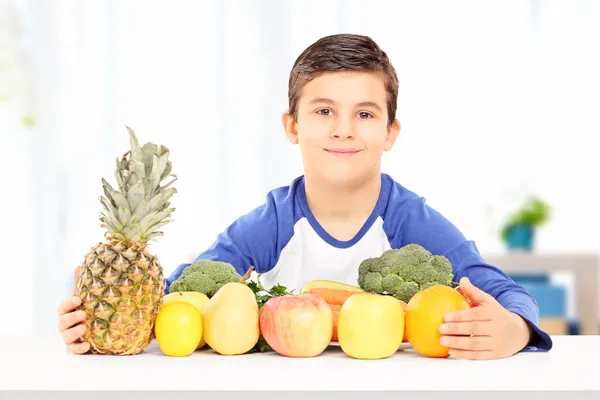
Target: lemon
point(197, 299)
point(178, 328)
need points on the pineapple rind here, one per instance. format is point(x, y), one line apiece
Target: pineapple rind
point(121, 302)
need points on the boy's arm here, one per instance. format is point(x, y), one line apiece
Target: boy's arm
point(248, 241)
point(419, 223)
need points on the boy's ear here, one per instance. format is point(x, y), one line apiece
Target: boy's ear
point(392, 135)
point(289, 125)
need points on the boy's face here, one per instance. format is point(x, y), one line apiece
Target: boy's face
point(342, 125)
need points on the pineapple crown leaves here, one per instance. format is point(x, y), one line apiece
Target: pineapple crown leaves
point(140, 206)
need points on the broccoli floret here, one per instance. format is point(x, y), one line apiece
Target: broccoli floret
point(373, 282)
point(420, 273)
point(390, 282)
point(411, 254)
point(404, 272)
point(221, 272)
point(368, 265)
point(194, 282)
point(405, 291)
point(205, 276)
point(371, 265)
point(443, 270)
point(398, 287)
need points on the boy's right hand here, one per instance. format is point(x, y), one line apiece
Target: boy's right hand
point(71, 325)
point(70, 322)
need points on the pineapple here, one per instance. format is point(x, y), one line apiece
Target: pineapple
point(120, 282)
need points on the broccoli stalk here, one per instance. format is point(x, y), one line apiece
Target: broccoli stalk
point(205, 276)
point(403, 272)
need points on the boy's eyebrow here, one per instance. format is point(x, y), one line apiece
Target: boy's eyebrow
point(361, 104)
point(370, 104)
point(321, 100)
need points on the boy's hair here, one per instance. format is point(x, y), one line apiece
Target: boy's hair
point(343, 52)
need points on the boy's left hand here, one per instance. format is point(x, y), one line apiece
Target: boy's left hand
point(485, 332)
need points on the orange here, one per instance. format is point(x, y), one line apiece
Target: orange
point(425, 313)
point(178, 328)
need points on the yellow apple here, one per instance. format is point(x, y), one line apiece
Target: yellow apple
point(196, 299)
point(370, 326)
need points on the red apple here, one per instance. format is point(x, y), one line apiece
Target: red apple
point(297, 325)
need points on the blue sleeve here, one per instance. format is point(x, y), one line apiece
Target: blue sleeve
point(248, 241)
point(416, 222)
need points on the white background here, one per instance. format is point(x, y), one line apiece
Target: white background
point(497, 99)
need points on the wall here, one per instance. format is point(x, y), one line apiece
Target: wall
point(496, 99)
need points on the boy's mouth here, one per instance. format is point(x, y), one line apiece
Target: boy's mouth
point(342, 152)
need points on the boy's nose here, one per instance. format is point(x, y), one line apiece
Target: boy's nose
point(342, 131)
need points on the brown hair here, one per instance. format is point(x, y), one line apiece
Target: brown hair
point(343, 52)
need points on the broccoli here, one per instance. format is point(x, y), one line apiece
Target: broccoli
point(206, 276)
point(404, 272)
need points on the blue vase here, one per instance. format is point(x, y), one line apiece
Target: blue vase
point(520, 237)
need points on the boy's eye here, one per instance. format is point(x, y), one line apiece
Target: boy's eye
point(324, 112)
point(365, 115)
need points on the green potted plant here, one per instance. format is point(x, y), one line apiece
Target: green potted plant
point(518, 232)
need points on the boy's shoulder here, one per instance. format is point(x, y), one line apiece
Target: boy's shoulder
point(398, 193)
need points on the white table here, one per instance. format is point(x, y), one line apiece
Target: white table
point(37, 364)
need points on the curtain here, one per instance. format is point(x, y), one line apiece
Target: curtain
point(497, 99)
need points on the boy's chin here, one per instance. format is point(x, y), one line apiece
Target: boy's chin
point(344, 177)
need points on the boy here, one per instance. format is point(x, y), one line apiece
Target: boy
point(342, 106)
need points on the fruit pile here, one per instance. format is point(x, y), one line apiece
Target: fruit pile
point(365, 325)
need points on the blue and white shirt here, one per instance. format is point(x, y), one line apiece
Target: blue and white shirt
point(286, 244)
